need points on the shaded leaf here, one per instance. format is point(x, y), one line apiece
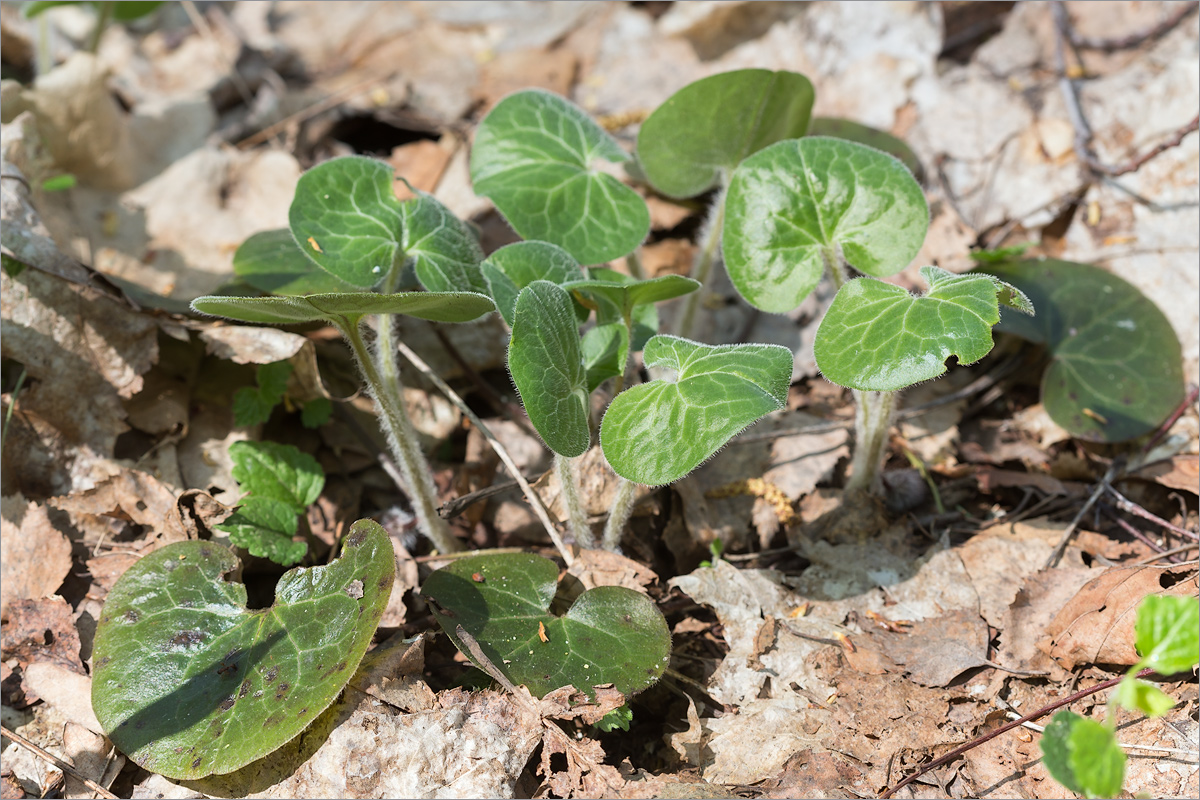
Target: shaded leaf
point(532, 157)
point(878, 337)
point(704, 130)
point(271, 262)
point(437, 306)
point(792, 206)
point(547, 368)
point(188, 682)
point(316, 412)
point(657, 432)
point(1083, 755)
point(443, 251)
point(513, 267)
point(609, 635)
point(1117, 367)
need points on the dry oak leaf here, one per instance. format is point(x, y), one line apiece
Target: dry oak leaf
point(34, 555)
point(1097, 625)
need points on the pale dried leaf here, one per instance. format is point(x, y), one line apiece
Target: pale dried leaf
point(36, 554)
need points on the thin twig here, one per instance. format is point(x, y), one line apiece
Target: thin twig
point(1041, 712)
point(1132, 531)
point(1125, 504)
point(1165, 554)
point(1061, 547)
point(534, 499)
point(332, 101)
point(1134, 39)
point(1193, 393)
point(56, 761)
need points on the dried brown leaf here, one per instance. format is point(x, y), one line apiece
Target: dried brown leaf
point(35, 555)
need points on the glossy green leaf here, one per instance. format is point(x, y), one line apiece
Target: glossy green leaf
point(513, 267)
point(872, 137)
point(703, 131)
point(1168, 633)
point(547, 367)
point(1146, 698)
point(1083, 755)
point(277, 471)
point(271, 262)
point(533, 156)
point(345, 216)
point(1117, 368)
point(609, 635)
point(437, 306)
point(793, 205)
point(657, 432)
point(878, 337)
point(188, 682)
point(265, 527)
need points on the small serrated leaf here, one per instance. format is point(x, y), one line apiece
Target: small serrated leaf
point(265, 527)
point(532, 157)
point(657, 432)
point(878, 337)
point(316, 412)
point(609, 635)
point(277, 471)
point(792, 205)
point(547, 367)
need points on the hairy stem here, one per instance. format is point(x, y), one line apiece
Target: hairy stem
point(872, 420)
point(384, 385)
point(706, 258)
point(568, 479)
point(104, 12)
point(618, 514)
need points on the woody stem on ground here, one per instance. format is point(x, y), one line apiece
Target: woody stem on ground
point(873, 411)
point(706, 258)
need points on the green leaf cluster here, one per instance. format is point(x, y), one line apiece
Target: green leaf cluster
point(252, 405)
point(1083, 754)
point(279, 483)
point(188, 682)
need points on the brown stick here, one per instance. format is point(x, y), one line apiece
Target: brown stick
point(1134, 39)
point(56, 761)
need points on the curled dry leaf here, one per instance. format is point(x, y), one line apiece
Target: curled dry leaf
point(243, 344)
point(1097, 625)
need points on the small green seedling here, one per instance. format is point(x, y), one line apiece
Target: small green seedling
point(279, 483)
point(347, 229)
point(651, 434)
point(1083, 754)
point(188, 682)
point(609, 635)
point(804, 208)
point(252, 405)
point(106, 11)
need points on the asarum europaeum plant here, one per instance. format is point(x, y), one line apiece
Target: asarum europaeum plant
point(342, 261)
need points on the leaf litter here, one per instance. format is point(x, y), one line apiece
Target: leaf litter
point(826, 667)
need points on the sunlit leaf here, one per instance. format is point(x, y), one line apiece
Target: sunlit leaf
point(1083, 755)
point(1168, 633)
point(277, 471)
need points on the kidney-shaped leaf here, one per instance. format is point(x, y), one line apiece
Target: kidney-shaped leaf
point(345, 307)
point(657, 432)
point(532, 156)
point(345, 216)
point(793, 205)
point(547, 367)
point(188, 682)
point(513, 267)
point(1117, 368)
point(872, 137)
point(271, 262)
point(878, 337)
point(704, 130)
point(609, 635)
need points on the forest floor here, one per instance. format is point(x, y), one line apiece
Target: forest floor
point(833, 648)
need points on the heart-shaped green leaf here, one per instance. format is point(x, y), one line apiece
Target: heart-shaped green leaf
point(703, 131)
point(513, 267)
point(1117, 368)
point(610, 634)
point(878, 337)
point(793, 205)
point(872, 137)
point(271, 262)
point(547, 367)
point(346, 217)
point(188, 682)
point(265, 528)
point(532, 156)
point(657, 432)
point(277, 471)
point(437, 306)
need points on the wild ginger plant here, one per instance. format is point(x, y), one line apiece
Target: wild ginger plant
point(353, 240)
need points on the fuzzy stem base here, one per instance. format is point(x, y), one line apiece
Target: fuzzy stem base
point(618, 514)
point(872, 421)
point(566, 469)
point(383, 381)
